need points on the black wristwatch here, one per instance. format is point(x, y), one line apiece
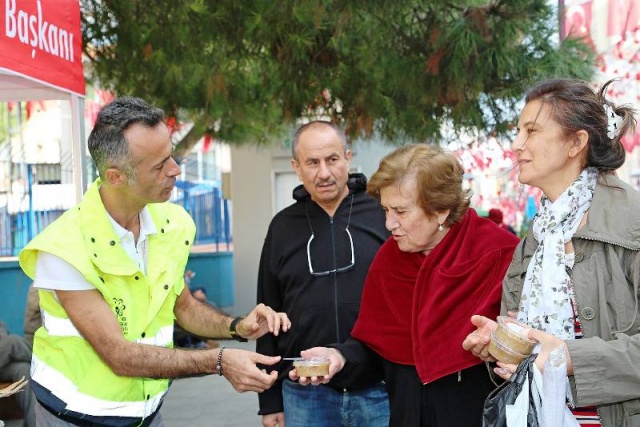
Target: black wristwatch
point(232, 330)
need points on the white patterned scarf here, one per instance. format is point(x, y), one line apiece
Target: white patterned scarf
point(546, 295)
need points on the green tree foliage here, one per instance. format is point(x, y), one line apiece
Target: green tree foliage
point(405, 69)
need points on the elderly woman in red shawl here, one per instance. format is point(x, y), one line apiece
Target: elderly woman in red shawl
point(441, 264)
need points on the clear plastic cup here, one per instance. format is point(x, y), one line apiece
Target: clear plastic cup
point(315, 367)
point(504, 353)
point(514, 335)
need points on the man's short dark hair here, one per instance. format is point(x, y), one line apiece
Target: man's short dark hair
point(107, 145)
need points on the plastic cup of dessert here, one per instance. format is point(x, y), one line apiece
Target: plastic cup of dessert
point(315, 367)
point(514, 335)
point(503, 352)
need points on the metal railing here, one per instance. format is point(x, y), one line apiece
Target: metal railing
point(209, 210)
point(33, 196)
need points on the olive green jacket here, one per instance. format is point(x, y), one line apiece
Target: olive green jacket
point(606, 276)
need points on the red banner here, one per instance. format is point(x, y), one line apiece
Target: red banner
point(41, 40)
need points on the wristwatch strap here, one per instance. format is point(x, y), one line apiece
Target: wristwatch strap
point(232, 330)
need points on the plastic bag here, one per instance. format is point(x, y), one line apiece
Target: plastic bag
point(495, 406)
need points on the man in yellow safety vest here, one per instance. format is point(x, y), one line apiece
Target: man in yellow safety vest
point(110, 277)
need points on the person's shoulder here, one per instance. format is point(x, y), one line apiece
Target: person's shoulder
point(296, 209)
point(488, 233)
point(612, 192)
point(287, 222)
point(611, 188)
point(614, 214)
point(64, 227)
point(367, 202)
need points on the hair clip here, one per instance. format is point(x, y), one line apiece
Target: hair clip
point(613, 121)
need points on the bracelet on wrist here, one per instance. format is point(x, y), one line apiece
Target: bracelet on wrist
point(219, 363)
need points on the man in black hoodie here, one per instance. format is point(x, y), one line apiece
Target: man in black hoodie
point(313, 265)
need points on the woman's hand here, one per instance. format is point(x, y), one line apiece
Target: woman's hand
point(505, 370)
point(478, 341)
point(548, 343)
point(336, 363)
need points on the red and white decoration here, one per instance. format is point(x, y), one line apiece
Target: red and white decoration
point(612, 28)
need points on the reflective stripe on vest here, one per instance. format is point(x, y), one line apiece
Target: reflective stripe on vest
point(58, 326)
point(61, 327)
point(65, 390)
point(163, 338)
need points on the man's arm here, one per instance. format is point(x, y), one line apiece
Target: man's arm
point(95, 321)
point(199, 318)
point(207, 321)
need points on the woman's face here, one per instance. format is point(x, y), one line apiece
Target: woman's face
point(410, 227)
point(543, 151)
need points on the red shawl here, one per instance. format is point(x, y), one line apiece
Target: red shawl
point(415, 309)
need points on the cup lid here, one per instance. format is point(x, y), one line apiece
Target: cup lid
point(312, 362)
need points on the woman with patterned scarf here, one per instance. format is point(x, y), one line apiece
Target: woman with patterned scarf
point(575, 278)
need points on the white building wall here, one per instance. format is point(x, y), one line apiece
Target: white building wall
point(251, 198)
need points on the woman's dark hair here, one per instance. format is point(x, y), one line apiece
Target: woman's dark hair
point(438, 173)
point(575, 106)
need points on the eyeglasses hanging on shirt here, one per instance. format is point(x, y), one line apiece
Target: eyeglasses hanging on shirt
point(335, 270)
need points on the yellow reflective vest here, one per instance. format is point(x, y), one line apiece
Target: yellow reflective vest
point(63, 361)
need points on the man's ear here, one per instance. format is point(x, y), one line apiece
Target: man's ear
point(296, 168)
point(115, 176)
point(579, 144)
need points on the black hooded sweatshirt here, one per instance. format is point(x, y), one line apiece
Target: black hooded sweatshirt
point(322, 309)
